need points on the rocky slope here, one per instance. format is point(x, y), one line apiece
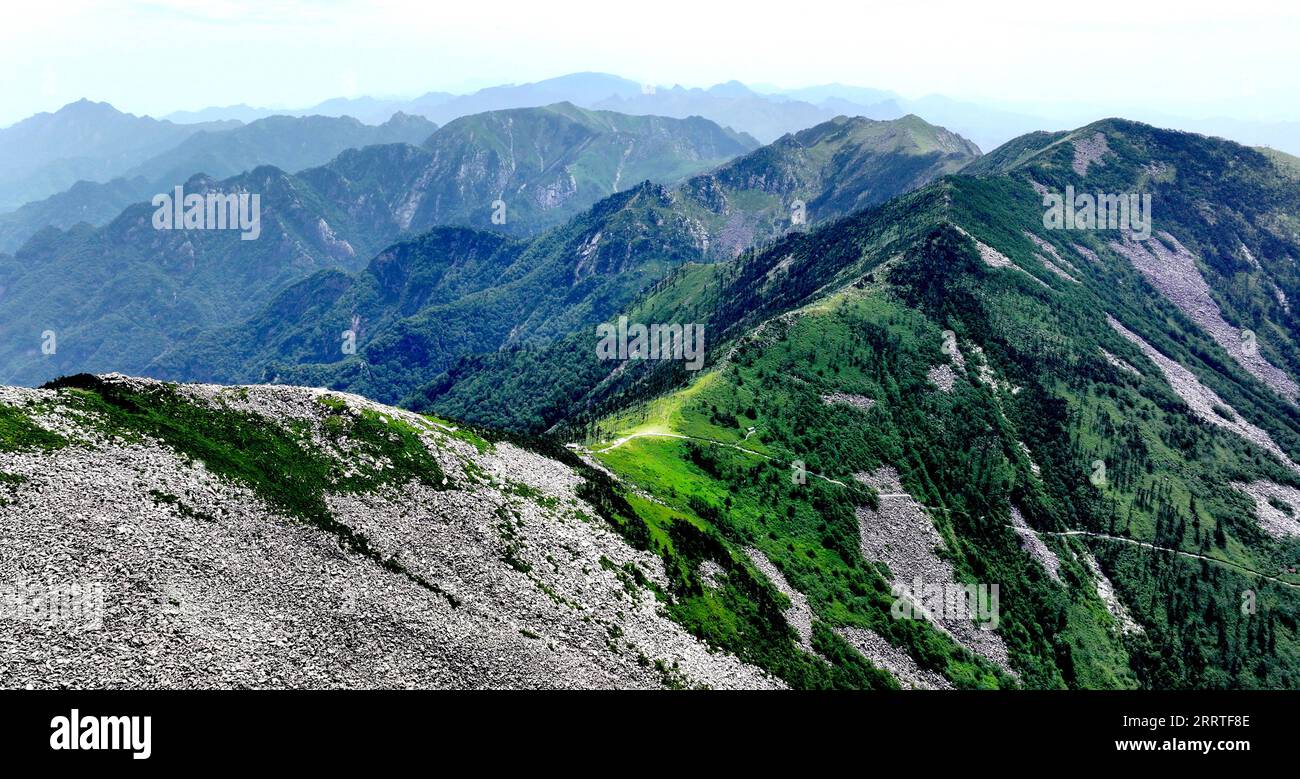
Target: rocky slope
point(290, 537)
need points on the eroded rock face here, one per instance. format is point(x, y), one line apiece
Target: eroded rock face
point(1088, 152)
point(991, 257)
point(994, 258)
point(1050, 250)
point(857, 401)
point(502, 577)
point(901, 535)
point(799, 614)
point(1054, 268)
point(942, 377)
point(1035, 546)
point(1121, 364)
point(1173, 271)
point(899, 664)
point(1106, 592)
point(1087, 254)
point(1204, 402)
point(1276, 505)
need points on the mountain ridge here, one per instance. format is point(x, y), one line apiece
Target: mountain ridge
point(287, 143)
point(1039, 400)
point(332, 216)
point(573, 275)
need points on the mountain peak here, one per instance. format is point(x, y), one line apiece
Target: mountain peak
point(731, 89)
point(87, 107)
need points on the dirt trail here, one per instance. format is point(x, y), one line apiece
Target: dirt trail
point(1086, 533)
point(620, 441)
point(1145, 545)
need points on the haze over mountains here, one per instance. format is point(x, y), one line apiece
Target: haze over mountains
point(545, 166)
point(767, 112)
point(51, 173)
point(285, 142)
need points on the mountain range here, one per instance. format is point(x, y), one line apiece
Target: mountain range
point(542, 165)
point(60, 173)
point(916, 380)
point(49, 152)
point(289, 143)
point(423, 303)
point(768, 112)
point(765, 114)
point(1104, 426)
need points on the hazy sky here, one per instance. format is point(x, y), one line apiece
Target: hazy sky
point(1189, 58)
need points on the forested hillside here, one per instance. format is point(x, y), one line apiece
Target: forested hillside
point(1104, 426)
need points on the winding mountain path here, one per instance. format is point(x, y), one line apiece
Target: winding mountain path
point(1084, 533)
point(657, 434)
point(1145, 545)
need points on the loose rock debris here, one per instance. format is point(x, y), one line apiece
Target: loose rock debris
point(511, 580)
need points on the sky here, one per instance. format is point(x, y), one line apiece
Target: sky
point(1187, 58)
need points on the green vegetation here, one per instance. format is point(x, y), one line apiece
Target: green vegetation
point(745, 615)
point(281, 466)
point(872, 295)
point(159, 303)
point(19, 432)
